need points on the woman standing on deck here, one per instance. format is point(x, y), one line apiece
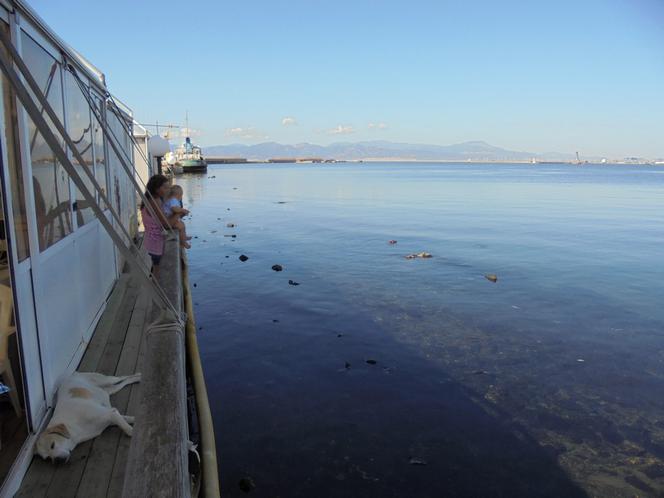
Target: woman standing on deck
point(156, 189)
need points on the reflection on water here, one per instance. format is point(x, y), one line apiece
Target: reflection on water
point(545, 383)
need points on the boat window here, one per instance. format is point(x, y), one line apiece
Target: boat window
point(123, 193)
point(79, 127)
point(98, 140)
point(14, 168)
point(50, 180)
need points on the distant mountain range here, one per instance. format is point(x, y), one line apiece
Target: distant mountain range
point(381, 150)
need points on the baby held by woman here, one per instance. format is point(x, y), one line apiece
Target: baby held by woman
point(174, 212)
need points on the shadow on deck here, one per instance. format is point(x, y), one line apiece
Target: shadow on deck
point(97, 467)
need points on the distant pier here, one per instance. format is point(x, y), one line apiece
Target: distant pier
point(244, 160)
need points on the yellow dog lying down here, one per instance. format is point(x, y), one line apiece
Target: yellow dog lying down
point(82, 411)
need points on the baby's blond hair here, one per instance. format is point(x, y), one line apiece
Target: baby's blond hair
point(175, 189)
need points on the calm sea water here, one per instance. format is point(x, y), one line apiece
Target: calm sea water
point(388, 377)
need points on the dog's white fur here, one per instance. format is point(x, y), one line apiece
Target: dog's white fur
point(82, 412)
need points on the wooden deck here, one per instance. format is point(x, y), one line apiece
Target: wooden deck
point(97, 467)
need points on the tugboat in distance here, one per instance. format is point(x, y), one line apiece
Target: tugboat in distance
point(188, 157)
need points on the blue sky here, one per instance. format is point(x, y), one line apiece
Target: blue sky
point(532, 75)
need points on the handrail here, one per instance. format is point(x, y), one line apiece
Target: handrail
point(26, 10)
point(108, 133)
point(45, 106)
point(126, 129)
point(54, 143)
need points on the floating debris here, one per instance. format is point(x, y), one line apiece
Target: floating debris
point(293, 282)
point(580, 360)
point(417, 461)
point(277, 267)
point(234, 188)
point(340, 335)
point(275, 321)
point(347, 366)
point(391, 242)
point(243, 258)
point(230, 225)
point(491, 277)
point(195, 284)
point(227, 256)
point(423, 255)
point(246, 484)
point(372, 362)
point(280, 202)
point(213, 231)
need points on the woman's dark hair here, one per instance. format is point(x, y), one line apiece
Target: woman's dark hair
point(154, 184)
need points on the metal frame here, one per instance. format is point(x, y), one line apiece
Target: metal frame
point(131, 256)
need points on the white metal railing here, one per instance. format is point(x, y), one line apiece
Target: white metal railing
point(130, 251)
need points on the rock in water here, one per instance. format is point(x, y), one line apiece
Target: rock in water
point(423, 255)
point(243, 257)
point(246, 484)
point(491, 277)
point(277, 267)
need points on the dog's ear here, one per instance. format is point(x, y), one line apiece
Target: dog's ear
point(59, 429)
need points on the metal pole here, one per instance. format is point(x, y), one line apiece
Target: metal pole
point(117, 151)
point(53, 142)
point(46, 106)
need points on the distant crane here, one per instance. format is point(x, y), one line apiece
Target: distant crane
point(168, 127)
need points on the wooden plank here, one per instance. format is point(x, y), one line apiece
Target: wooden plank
point(157, 464)
point(40, 474)
point(37, 480)
point(119, 467)
point(99, 468)
point(95, 349)
point(67, 477)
